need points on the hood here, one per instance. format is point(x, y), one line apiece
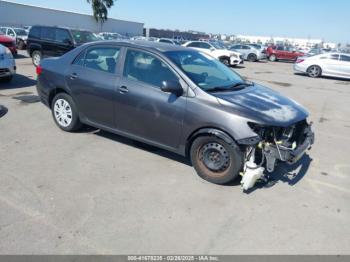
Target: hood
point(5, 39)
point(263, 105)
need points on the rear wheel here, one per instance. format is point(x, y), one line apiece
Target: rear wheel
point(314, 71)
point(252, 58)
point(65, 113)
point(215, 160)
point(36, 57)
point(273, 58)
point(21, 45)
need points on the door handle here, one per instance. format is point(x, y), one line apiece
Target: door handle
point(73, 76)
point(123, 90)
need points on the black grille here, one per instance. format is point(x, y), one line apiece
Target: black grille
point(4, 70)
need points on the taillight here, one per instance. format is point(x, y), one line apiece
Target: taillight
point(299, 61)
point(39, 70)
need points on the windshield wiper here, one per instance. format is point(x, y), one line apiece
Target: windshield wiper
point(235, 86)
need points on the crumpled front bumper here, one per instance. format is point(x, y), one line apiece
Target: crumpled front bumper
point(274, 152)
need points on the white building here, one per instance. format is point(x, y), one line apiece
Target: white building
point(299, 42)
point(14, 14)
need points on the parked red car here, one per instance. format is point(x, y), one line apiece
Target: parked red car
point(275, 53)
point(9, 42)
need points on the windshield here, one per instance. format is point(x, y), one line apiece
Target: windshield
point(21, 32)
point(218, 45)
point(81, 37)
point(205, 71)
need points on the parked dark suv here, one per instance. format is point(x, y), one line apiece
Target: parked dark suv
point(179, 99)
point(45, 41)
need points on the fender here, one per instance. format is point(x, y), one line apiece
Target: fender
point(213, 132)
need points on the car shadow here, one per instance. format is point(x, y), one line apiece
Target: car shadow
point(20, 56)
point(133, 143)
point(18, 81)
point(238, 67)
point(340, 80)
point(285, 173)
point(3, 111)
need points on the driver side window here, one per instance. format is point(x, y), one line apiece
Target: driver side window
point(146, 68)
point(205, 46)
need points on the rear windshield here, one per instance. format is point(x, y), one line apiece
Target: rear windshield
point(20, 32)
point(81, 37)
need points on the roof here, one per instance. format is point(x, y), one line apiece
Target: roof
point(160, 47)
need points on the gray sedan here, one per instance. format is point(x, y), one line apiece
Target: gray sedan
point(178, 99)
point(249, 53)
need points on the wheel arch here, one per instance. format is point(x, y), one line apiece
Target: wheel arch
point(55, 92)
point(211, 131)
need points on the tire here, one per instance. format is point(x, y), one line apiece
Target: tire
point(21, 45)
point(65, 113)
point(36, 57)
point(215, 160)
point(252, 58)
point(273, 58)
point(225, 61)
point(314, 71)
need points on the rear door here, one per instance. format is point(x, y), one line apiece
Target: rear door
point(93, 78)
point(330, 64)
point(63, 41)
point(144, 111)
point(48, 47)
point(344, 65)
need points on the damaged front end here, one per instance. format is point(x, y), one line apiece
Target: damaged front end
point(274, 144)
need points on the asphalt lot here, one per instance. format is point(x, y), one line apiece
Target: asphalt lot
point(97, 193)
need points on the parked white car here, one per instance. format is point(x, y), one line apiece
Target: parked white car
point(20, 34)
point(168, 41)
point(329, 64)
point(7, 64)
point(228, 57)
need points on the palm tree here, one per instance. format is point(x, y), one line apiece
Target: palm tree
point(100, 9)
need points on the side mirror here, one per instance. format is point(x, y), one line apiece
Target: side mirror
point(212, 49)
point(67, 41)
point(173, 87)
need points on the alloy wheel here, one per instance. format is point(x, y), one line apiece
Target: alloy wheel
point(63, 112)
point(314, 71)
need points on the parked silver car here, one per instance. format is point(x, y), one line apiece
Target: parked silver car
point(331, 64)
point(7, 64)
point(249, 53)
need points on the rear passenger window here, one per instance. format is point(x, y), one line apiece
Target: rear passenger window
point(146, 68)
point(79, 60)
point(48, 33)
point(103, 59)
point(345, 58)
point(334, 57)
point(34, 32)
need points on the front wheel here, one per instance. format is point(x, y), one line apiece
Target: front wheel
point(215, 160)
point(273, 58)
point(252, 58)
point(65, 113)
point(225, 61)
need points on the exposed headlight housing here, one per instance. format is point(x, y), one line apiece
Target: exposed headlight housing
point(234, 55)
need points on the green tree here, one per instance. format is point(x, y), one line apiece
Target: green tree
point(100, 9)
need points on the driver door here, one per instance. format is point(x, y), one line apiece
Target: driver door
point(143, 110)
